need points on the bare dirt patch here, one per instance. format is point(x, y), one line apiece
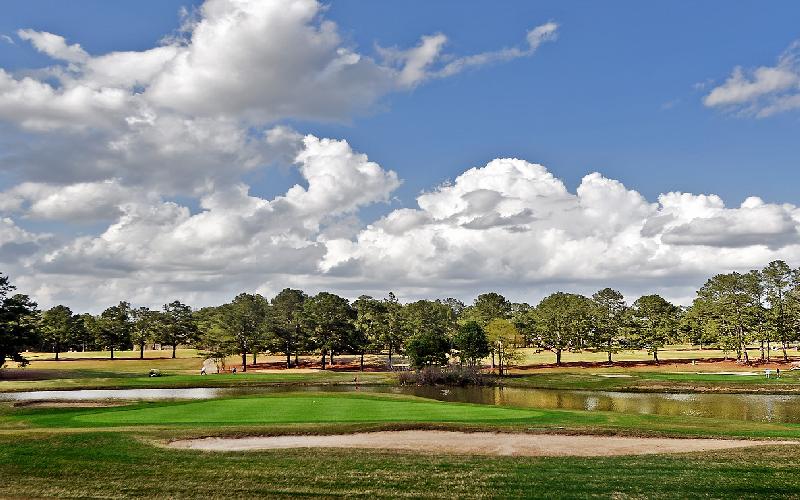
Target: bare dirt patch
point(479, 443)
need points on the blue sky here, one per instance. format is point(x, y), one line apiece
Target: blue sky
point(620, 91)
point(615, 94)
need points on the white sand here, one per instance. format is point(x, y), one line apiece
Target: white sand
point(481, 443)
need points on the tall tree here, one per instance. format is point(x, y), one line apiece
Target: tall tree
point(430, 326)
point(216, 338)
point(489, 306)
point(778, 280)
point(608, 320)
point(145, 325)
point(503, 339)
point(655, 322)
point(472, 343)
point(177, 325)
point(113, 327)
point(559, 322)
point(395, 332)
point(330, 320)
point(244, 320)
point(732, 299)
point(371, 322)
point(58, 328)
point(18, 319)
point(286, 316)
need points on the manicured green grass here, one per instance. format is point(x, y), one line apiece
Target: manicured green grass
point(299, 412)
point(119, 465)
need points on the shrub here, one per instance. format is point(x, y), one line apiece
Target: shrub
point(454, 375)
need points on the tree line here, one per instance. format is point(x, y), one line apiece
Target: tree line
point(731, 311)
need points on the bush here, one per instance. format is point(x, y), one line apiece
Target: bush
point(454, 375)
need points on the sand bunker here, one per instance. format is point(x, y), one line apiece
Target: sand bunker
point(481, 443)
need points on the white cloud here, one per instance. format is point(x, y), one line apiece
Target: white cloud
point(511, 225)
point(54, 46)
point(765, 90)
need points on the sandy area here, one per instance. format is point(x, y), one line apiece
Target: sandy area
point(481, 443)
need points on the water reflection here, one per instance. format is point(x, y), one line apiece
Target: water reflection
point(751, 407)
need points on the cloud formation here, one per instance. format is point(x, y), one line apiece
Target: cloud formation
point(763, 91)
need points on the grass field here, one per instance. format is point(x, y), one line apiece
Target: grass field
point(112, 465)
point(111, 452)
point(114, 452)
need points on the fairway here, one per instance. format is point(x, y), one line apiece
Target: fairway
point(305, 409)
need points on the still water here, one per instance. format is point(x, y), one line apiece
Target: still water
point(752, 407)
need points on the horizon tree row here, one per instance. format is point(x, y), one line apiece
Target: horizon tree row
point(730, 311)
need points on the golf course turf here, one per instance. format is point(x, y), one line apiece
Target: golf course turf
point(119, 451)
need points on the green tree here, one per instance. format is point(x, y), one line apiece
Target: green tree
point(145, 327)
point(18, 319)
point(472, 343)
point(428, 348)
point(395, 332)
point(177, 325)
point(731, 300)
point(215, 338)
point(489, 306)
point(654, 322)
point(778, 280)
point(58, 328)
point(244, 321)
point(503, 339)
point(113, 327)
point(608, 320)
point(330, 320)
point(559, 322)
point(286, 321)
point(371, 322)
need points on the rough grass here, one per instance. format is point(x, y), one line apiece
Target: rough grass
point(119, 465)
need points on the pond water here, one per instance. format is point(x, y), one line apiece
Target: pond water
point(750, 407)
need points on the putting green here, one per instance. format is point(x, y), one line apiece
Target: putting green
point(303, 409)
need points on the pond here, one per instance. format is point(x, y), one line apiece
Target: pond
point(749, 407)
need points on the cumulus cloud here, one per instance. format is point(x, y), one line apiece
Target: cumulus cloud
point(763, 91)
point(512, 223)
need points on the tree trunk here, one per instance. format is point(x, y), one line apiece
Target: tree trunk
point(56, 354)
point(288, 356)
point(244, 361)
point(174, 348)
point(609, 358)
point(655, 355)
point(255, 354)
point(331, 358)
point(362, 361)
point(558, 357)
point(492, 360)
point(112, 352)
point(390, 354)
point(785, 357)
point(762, 349)
point(296, 361)
point(141, 350)
point(768, 350)
point(324, 356)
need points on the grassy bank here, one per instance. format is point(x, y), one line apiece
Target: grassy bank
point(114, 452)
point(118, 464)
